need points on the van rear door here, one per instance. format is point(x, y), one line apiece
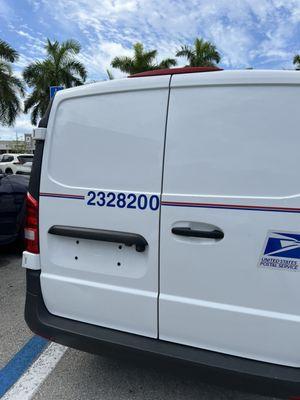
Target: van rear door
point(230, 219)
point(99, 203)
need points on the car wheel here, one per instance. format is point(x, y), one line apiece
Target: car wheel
point(8, 171)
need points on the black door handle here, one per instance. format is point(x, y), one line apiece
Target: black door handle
point(184, 231)
point(127, 238)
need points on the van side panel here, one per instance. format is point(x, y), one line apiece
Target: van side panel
point(102, 170)
point(232, 165)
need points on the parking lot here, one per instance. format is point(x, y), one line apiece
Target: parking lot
point(79, 375)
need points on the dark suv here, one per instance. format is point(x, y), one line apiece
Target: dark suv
point(13, 191)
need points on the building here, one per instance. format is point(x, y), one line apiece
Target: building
point(24, 145)
point(29, 143)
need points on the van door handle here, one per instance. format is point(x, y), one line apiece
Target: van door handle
point(185, 231)
point(129, 239)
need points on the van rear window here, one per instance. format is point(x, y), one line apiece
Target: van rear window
point(110, 141)
point(233, 140)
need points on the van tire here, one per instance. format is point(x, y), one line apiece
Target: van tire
point(8, 171)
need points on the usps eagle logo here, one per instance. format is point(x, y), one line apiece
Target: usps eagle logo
point(281, 251)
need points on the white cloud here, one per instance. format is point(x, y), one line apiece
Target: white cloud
point(259, 33)
point(22, 126)
point(32, 43)
point(98, 57)
point(236, 26)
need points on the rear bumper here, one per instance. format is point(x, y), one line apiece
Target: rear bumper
point(215, 367)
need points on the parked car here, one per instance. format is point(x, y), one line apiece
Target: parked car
point(13, 191)
point(179, 236)
point(11, 163)
point(25, 169)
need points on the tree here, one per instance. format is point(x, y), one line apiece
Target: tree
point(11, 87)
point(110, 75)
point(202, 54)
point(141, 61)
point(60, 68)
point(296, 61)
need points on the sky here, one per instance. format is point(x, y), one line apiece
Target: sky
point(262, 34)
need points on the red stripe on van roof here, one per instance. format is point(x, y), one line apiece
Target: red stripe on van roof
point(174, 71)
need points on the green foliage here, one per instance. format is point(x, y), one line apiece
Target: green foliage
point(19, 147)
point(141, 61)
point(11, 87)
point(7, 53)
point(59, 68)
point(202, 54)
point(296, 61)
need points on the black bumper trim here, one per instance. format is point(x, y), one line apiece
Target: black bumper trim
point(239, 372)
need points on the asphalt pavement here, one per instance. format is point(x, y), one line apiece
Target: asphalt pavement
point(13, 330)
point(80, 375)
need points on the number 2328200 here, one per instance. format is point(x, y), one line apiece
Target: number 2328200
point(122, 200)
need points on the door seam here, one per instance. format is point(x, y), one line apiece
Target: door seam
point(161, 192)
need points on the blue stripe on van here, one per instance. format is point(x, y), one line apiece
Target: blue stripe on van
point(230, 206)
point(198, 205)
point(63, 196)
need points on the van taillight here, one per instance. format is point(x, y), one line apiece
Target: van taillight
point(31, 231)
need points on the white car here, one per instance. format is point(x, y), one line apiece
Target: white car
point(24, 169)
point(179, 236)
point(11, 163)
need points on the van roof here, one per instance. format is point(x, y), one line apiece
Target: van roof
point(228, 77)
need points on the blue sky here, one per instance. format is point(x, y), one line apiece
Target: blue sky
point(257, 33)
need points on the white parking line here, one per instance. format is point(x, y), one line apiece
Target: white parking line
point(29, 383)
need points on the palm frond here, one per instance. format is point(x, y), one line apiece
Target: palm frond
point(11, 91)
point(202, 54)
point(167, 63)
point(10, 104)
point(7, 53)
point(206, 54)
point(35, 114)
point(71, 46)
point(141, 61)
point(31, 100)
point(5, 67)
point(33, 72)
point(77, 68)
point(296, 60)
point(60, 67)
point(124, 64)
point(148, 57)
point(138, 49)
point(185, 51)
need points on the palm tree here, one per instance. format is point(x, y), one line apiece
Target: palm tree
point(296, 61)
point(110, 75)
point(141, 61)
point(202, 54)
point(60, 68)
point(11, 87)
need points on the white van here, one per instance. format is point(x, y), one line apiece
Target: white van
point(179, 235)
